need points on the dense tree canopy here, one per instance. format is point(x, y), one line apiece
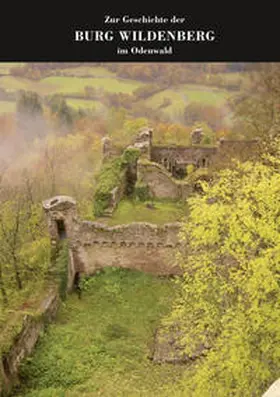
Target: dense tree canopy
point(230, 300)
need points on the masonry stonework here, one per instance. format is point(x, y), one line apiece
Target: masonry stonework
point(25, 340)
point(93, 245)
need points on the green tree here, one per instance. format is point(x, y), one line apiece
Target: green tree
point(30, 103)
point(63, 113)
point(229, 308)
point(29, 114)
point(24, 243)
point(256, 108)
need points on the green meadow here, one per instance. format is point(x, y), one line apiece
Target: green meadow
point(93, 71)
point(72, 81)
point(161, 212)
point(86, 104)
point(100, 345)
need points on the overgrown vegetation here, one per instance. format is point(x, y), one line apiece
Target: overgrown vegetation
point(25, 249)
point(142, 191)
point(58, 272)
point(100, 344)
point(114, 174)
point(231, 291)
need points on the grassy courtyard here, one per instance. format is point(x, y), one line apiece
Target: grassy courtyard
point(100, 345)
point(162, 211)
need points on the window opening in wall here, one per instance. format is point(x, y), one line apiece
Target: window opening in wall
point(61, 230)
point(6, 366)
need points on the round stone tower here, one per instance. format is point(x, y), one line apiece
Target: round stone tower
point(62, 216)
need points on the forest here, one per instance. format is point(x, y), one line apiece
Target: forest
point(53, 117)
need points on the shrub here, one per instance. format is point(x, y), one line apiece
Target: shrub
point(113, 173)
point(142, 191)
point(130, 156)
point(60, 269)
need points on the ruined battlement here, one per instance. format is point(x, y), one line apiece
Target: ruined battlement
point(93, 245)
point(131, 235)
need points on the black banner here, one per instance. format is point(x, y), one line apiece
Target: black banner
point(81, 34)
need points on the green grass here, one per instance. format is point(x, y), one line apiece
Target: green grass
point(99, 345)
point(13, 84)
point(86, 104)
point(183, 94)
point(136, 211)
point(77, 85)
point(204, 94)
point(60, 84)
point(94, 71)
point(7, 107)
point(176, 107)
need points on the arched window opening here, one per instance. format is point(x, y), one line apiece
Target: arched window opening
point(61, 229)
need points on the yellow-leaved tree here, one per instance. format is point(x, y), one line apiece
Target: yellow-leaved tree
point(229, 306)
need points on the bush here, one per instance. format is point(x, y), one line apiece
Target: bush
point(142, 192)
point(113, 173)
point(60, 269)
point(130, 156)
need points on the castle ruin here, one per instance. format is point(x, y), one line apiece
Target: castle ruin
point(142, 246)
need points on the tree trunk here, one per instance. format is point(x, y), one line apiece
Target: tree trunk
point(2, 288)
point(17, 273)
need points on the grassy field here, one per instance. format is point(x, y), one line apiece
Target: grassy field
point(204, 94)
point(56, 84)
point(75, 84)
point(177, 102)
point(99, 345)
point(180, 96)
point(7, 107)
point(94, 71)
point(86, 104)
point(135, 211)
point(13, 84)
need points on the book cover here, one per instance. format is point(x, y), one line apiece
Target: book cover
point(139, 202)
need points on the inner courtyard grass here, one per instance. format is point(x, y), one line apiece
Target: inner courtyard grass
point(137, 211)
point(100, 344)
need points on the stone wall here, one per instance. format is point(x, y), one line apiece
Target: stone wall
point(93, 245)
point(160, 182)
point(25, 341)
point(141, 246)
point(199, 156)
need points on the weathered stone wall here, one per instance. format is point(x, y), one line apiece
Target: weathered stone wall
point(93, 245)
point(141, 246)
point(149, 259)
point(161, 183)
point(25, 341)
point(116, 195)
point(183, 154)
